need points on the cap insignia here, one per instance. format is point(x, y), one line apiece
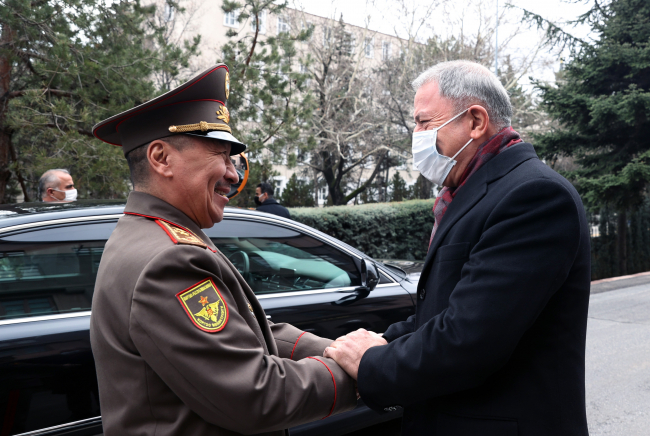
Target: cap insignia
point(227, 85)
point(223, 114)
point(205, 306)
point(181, 236)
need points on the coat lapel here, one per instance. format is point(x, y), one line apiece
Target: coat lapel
point(472, 192)
point(467, 197)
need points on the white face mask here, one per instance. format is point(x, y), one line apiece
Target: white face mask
point(426, 159)
point(70, 195)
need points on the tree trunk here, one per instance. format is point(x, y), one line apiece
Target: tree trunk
point(621, 242)
point(5, 138)
point(426, 187)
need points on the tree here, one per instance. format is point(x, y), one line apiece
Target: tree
point(269, 108)
point(345, 131)
point(298, 193)
point(399, 190)
point(64, 65)
point(602, 105)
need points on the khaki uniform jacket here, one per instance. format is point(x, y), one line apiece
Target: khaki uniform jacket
point(183, 347)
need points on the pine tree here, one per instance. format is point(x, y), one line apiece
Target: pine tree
point(298, 193)
point(65, 65)
point(602, 105)
point(400, 191)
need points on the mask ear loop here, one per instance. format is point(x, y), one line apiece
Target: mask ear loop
point(462, 148)
point(450, 120)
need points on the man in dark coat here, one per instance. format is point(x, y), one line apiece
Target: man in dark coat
point(497, 343)
point(266, 203)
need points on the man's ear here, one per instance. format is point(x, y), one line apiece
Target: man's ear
point(158, 155)
point(480, 121)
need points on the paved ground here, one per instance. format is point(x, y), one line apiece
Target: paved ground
point(618, 362)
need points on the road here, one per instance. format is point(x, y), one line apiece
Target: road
point(618, 362)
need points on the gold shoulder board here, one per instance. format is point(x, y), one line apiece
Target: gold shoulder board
point(180, 235)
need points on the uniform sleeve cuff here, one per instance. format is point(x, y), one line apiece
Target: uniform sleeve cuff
point(344, 394)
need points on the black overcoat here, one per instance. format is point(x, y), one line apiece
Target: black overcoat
point(272, 206)
point(497, 344)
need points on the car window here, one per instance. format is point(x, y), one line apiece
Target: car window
point(278, 259)
point(51, 270)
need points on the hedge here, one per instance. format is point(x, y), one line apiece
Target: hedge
point(401, 231)
point(398, 230)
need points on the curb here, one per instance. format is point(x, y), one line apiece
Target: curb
point(614, 283)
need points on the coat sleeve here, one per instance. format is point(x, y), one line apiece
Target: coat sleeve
point(296, 344)
point(529, 243)
point(225, 376)
point(400, 329)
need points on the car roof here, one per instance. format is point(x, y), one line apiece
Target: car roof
point(24, 213)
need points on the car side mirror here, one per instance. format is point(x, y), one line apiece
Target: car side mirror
point(369, 280)
point(369, 274)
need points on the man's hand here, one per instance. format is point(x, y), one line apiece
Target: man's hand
point(348, 350)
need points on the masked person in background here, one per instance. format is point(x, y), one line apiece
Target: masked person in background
point(266, 203)
point(497, 344)
point(56, 186)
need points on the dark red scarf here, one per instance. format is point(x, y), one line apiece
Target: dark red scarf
point(486, 151)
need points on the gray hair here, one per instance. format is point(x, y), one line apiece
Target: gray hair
point(49, 179)
point(466, 83)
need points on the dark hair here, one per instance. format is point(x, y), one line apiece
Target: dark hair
point(266, 188)
point(138, 163)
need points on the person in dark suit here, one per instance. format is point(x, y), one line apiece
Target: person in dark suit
point(497, 343)
point(266, 203)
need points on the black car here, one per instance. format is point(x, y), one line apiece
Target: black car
point(49, 255)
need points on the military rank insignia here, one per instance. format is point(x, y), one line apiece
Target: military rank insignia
point(181, 236)
point(205, 306)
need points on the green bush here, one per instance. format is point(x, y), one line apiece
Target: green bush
point(381, 230)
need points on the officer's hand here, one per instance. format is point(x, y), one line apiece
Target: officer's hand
point(348, 350)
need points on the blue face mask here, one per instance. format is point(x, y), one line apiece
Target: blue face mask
point(426, 159)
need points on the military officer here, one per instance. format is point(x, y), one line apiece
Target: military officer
point(181, 344)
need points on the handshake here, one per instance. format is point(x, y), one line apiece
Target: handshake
point(348, 350)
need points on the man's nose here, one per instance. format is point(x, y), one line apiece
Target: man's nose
point(231, 175)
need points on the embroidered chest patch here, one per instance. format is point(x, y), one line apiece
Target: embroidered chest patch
point(205, 306)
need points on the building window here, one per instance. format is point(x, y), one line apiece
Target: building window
point(348, 43)
point(262, 19)
point(369, 47)
point(168, 12)
point(230, 19)
point(283, 25)
point(308, 26)
point(327, 36)
point(385, 50)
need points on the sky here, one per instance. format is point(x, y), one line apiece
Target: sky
point(448, 16)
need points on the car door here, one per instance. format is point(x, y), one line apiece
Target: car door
point(307, 280)
point(47, 372)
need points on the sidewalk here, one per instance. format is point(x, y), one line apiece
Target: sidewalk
point(613, 283)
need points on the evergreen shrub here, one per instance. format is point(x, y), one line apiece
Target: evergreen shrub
point(399, 230)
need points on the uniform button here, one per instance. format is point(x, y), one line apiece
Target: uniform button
point(421, 293)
